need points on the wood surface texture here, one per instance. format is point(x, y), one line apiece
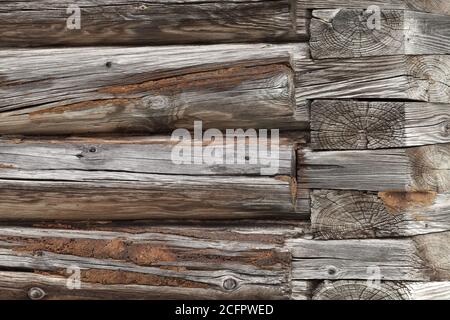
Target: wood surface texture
point(103, 196)
point(119, 22)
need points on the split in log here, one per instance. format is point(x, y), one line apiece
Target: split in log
point(148, 89)
point(118, 22)
point(421, 258)
point(356, 214)
point(419, 78)
point(424, 168)
point(360, 290)
point(136, 178)
point(155, 262)
point(360, 33)
point(348, 125)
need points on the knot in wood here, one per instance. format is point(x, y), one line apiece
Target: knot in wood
point(36, 293)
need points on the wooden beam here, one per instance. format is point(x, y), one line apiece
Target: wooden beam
point(349, 125)
point(117, 22)
point(356, 214)
point(408, 169)
point(421, 258)
point(148, 89)
point(157, 262)
point(363, 290)
point(136, 178)
point(418, 78)
point(355, 33)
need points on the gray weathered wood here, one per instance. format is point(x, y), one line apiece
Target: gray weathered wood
point(357, 33)
point(17, 286)
point(355, 214)
point(346, 125)
point(410, 169)
point(421, 78)
point(148, 89)
point(44, 22)
point(421, 258)
point(155, 262)
point(135, 178)
point(363, 290)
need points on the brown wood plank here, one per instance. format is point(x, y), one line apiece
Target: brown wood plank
point(148, 89)
point(119, 22)
point(348, 125)
point(137, 178)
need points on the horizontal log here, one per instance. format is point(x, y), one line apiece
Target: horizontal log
point(155, 262)
point(421, 258)
point(357, 33)
point(117, 22)
point(148, 89)
point(435, 6)
point(137, 178)
point(26, 286)
point(348, 125)
point(363, 290)
point(356, 214)
point(419, 78)
point(22, 286)
point(405, 169)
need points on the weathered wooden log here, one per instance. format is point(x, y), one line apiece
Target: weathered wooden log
point(421, 258)
point(153, 262)
point(409, 169)
point(347, 125)
point(434, 6)
point(148, 89)
point(113, 22)
point(419, 78)
point(138, 178)
point(356, 214)
point(361, 33)
point(363, 290)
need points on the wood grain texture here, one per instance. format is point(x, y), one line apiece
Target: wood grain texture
point(357, 33)
point(421, 258)
point(119, 22)
point(434, 6)
point(147, 89)
point(347, 125)
point(406, 78)
point(355, 214)
point(353, 33)
point(17, 286)
point(135, 178)
point(363, 290)
point(409, 169)
point(156, 262)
